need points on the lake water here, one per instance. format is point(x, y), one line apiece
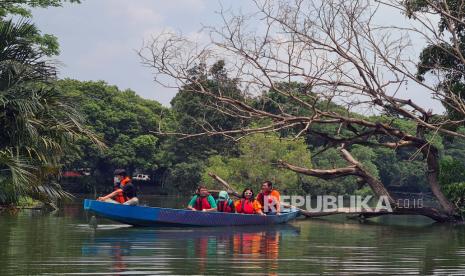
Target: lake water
point(62, 243)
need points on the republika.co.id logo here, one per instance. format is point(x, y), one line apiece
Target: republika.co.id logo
point(330, 203)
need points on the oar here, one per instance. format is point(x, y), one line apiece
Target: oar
point(236, 194)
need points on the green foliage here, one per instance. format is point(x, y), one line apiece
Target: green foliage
point(442, 59)
point(452, 179)
point(257, 161)
point(399, 172)
point(364, 192)
point(274, 101)
point(21, 7)
point(193, 113)
point(145, 148)
point(330, 159)
point(452, 170)
point(123, 120)
point(47, 43)
point(126, 123)
point(366, 156)
point(185, 176)
point(455, 192)
point(455, 146)
point(38, 122)
point(26, 201)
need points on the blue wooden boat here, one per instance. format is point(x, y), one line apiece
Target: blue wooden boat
point(154, 216)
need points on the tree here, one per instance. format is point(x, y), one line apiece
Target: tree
point(19, 7)
point(124, 121)
point(255, 164)
point(452, 178)
point(336, 50)
point(191, 113)
point(47, 42)
point(444, 56)
point(38, 122)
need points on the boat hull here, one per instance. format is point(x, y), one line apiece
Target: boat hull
point(154, 216)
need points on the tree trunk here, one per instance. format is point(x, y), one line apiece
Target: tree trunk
point(432, 161)
point(376, 186)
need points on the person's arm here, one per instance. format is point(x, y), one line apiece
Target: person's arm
point(212, 202)
point(278, 207)
point(236, 204)
point(258, 208)
point(233, 206)
point(110, 195)
point(278, 202)
point(191, 204)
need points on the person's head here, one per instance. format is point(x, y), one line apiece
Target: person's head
point(120, 173)
point(247, 193)
point(202, 191)
point(223, 196)
point(267, 186)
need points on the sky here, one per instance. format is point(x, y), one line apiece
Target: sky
point(99, 38)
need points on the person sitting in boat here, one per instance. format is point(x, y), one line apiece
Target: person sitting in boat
point(224, 203)
point(120, 180)
point(248, 204)
point(127, 192)
point(269, 198)
point(202, 201)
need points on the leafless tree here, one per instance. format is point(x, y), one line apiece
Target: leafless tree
point(336, 49)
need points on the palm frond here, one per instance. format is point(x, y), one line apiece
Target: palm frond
point(16, 174)
point(38, 123)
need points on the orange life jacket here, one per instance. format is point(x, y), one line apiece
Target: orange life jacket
point(246, 207)
point(201, 203)
point(120, 196)
point(272, 198)
point(224, 206)
point(125, 181)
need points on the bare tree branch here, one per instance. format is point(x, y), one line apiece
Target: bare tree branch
point(338, 55)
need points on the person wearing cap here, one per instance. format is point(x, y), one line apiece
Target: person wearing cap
point(127, 193)
point(224, 203)
point(121, 177)
point(124, 191)
point(120, 180)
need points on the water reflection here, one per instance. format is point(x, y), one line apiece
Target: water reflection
point(36, 243)
point(202, 248)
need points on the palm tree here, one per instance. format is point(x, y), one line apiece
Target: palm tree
point(38, 123)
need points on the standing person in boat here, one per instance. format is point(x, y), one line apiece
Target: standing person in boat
point(202, 201)
point(224, 203)
point(127, 192)
point(248, 204)
point(269, 198)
